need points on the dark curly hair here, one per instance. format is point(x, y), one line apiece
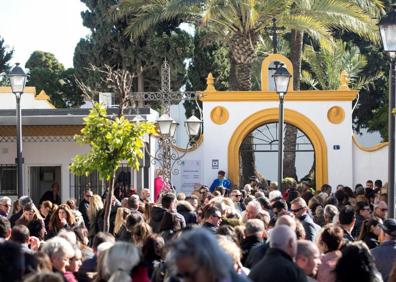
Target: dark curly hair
point(356, 264)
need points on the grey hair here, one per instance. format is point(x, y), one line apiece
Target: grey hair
point(253, 226)
point(58, 246)
point(203, 247)
point(5, 199)
point(24, 200)
point(280, 237)
point(119, 260)
point(306, 248)
point(330, 211)
point(256, 204)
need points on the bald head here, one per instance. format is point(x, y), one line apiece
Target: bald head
point(286, 220)
point(284, 238)
point(308, 257)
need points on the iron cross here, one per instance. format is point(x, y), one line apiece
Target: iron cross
point(166, 96)
point(273, 33)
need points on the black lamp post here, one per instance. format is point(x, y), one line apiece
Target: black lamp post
point(18, 80)
point(388, 35)
point(281, 79)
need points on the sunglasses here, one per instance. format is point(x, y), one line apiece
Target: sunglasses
point(296, 210)
point(384, 210)
point(5, 205)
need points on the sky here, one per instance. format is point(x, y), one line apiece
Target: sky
point(53, 26)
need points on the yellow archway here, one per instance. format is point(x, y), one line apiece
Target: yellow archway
point(272, 115)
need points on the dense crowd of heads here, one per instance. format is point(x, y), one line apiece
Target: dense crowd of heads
point(259, 232)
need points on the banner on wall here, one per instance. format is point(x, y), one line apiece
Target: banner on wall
point(190, 175)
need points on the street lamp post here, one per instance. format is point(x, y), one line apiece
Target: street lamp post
point(18, 80)
point(281, 79)
point(167, 156)
point(388, 35)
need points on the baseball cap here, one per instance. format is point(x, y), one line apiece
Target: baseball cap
point(389, 226)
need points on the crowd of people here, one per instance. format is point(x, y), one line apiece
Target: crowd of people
point(221, 233)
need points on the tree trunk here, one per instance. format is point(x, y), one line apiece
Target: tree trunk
point(289, 159)
point(243, 73)
point(233, 80)
point(248, 160)
point(140, 85)
point(240, 75)
point(107, 206)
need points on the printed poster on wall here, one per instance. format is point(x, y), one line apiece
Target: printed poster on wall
point(190, 175)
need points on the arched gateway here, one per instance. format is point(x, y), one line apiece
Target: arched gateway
point(271, 115)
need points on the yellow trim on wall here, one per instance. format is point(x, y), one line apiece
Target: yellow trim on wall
point(42, 96)
point(28, 89)
point(291, 117)
point(264, 70)
point(249, 96)
point(371, 148)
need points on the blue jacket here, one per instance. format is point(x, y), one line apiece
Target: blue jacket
point(220, 183)
point(384, 257)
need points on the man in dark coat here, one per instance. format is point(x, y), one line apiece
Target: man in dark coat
point(254, 230)
point(385, 254)
point(277, 264)
point(84, 204)
point(300, 210)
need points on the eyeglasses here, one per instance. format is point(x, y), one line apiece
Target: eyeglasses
point(187, 275)
point(238, 196)
point(297, 210)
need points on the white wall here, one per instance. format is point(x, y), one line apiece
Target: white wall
point(8, 101)
point(370, 165)
point(44, 154)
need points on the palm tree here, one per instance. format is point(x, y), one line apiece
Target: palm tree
point(241, 22)
point(326, 67)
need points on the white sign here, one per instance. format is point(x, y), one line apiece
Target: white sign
point(190, 175)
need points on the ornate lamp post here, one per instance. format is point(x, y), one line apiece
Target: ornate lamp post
point(18, 80)
point(388, 35)
point(281, 79)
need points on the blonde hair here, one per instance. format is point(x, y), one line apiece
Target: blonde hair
point(121, 215)
point(140, 233)
point(95, 205)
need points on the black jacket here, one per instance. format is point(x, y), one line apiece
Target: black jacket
point(277, 266)
point(188, 213)
point(156, 215)
point(83, 208)
point(256, 254)
point(371, 240)
point(210, 227)
point(49, 196)
point(247, 244)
